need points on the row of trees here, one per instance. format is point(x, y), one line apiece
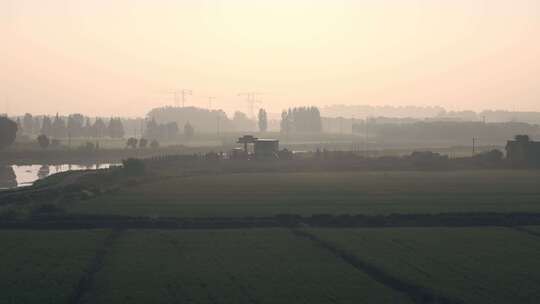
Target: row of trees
point(302, 120)
point(133, 143)
point(75, 125)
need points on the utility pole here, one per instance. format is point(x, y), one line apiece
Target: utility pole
point(474, 142)
point(180, 93)
point(217, 124)
point(251, 98)
point(367, 135)
point(210, 99)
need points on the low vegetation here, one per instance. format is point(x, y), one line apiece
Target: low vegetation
point(470, 265)
point(266, 194)
point(45, 266)
point(230, 266)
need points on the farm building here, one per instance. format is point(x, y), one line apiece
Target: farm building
point(523, 152)
point(266, 148)
point(262, 148)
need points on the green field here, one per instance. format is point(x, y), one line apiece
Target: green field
point(230, 266)
point(261, 194)
point(44, 266)
point(475, 265)
point(281, 265)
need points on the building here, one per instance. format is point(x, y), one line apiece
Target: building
point(522, 152)
point(266, 148)
point(262, 148)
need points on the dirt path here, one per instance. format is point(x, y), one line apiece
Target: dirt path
point(86, 282)
point(418, 293)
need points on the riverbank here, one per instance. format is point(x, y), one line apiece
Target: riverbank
point(78, 156)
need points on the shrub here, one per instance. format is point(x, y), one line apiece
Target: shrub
point(43, 141)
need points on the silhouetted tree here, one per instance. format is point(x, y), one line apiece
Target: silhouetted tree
point(157, 131)
point(263, 120)
point(154, 144)
point(188, 131)
point(242, 122)
point(59, 127)
point(202, 120)
point(132, 142)
point(43, 141)
point(116, 128)
point(8, 132)
point(46, 126)
point(19, 127)
point(75, 125)
point(152, 129)
point(28, 124)
point(87, 128)
point(285, 122)
point(143, 143)
point(99, 129)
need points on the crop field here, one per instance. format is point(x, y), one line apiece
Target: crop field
point(44, 266)
point(262, 194)
point(534, 229)
point(473, 265)
point(230, 266)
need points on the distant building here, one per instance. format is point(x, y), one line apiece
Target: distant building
point(262, 148)
point(523, 152)
point(266, 148)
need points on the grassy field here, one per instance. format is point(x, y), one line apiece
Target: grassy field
point(475, 265)
point(44, 266)
point(230, 266)
point(325, 192)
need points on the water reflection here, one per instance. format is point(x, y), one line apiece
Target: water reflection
point(19, 176)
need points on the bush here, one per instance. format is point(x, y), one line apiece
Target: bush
point(8, 132)
point(132, 142)
point(43, 141)
point(133, 166)
point(143, 143)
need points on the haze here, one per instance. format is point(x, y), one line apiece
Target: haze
point(122, 57)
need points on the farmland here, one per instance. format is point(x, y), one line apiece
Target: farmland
point(397, 265)
point(457, 237)
point(473, 265)
point(45, 266)
point(265, 194)
point(230, 266)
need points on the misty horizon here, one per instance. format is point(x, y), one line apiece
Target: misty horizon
point(125, 57)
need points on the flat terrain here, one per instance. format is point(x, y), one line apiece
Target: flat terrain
point(265, 194)
point(45, 266)
point(230, 266)
point(308, 265)
point(473, 265)
point(304, 262)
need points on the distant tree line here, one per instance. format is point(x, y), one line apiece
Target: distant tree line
point(161, 131)
point(301, 120)
point(74, 125)
point(443, 131)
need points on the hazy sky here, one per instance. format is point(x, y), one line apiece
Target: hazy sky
point(121, 57)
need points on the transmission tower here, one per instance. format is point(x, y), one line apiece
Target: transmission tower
point(251, 98)
point(210, 99)
point(180, 93)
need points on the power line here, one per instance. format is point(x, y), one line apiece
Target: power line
point(251, 98)
point(180, 93)
point(210, 99)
